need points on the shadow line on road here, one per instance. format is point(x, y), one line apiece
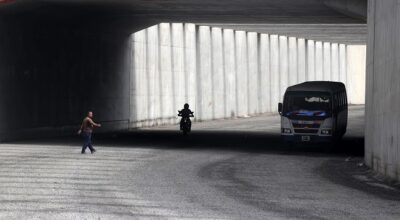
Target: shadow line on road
point(241, 141)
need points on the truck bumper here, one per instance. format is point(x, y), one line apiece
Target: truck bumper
point(303, 138)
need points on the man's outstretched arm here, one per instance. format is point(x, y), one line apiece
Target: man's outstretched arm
point(93, 123)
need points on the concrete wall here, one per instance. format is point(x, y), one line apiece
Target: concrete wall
point(52, 74)
point(224, 73)
point(382, 150)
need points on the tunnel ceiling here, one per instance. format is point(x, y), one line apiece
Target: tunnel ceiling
point(311, 19)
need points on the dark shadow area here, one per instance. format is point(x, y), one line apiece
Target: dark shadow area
point(353, 173)
point(241, 141)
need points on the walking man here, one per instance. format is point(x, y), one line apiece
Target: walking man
point(86, 130)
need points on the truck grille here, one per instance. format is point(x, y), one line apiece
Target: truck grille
point(306, 131)
point(295, 125)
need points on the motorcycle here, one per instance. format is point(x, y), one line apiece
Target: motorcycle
point(186, 124)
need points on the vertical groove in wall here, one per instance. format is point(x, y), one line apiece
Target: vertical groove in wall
point(268, 78)
point(315, 61)
point(131, 85)
point(302, 60)
point(236, 74)
point(185, 63)
point(172, 62)
point(147, 114)
point(283, 65)
point(225, 95)
point(245, 110)
point(306, 54)
point(198, 78)
point(159, 71)
point(297, 61)
point(259, 78)
point(275, 76)
point(212, 72)
point(293, 67)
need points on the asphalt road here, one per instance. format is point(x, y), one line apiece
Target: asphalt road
point(227, 169)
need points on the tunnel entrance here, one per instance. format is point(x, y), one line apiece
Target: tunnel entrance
point(226, 73)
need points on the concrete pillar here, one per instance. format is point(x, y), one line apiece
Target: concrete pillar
point(343, 63)
point(153, 77)
point(204, 77)
point(265, 74)
point(319, 61)
point(293, 66)
point(327, 61)
point(383, 105)
point(218, 78)
point(242, 72)
point(283, 65)
point(178, 70)
point(166, 85)
point(252, 62)
point(190, 66)
point(301, 60)
point(230, 73)
point(335, 62)
point(275, 83)
point(139, 92)
point(310, 60)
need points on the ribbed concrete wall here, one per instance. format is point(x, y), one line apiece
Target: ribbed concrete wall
point(224, 73)
point(382, 144)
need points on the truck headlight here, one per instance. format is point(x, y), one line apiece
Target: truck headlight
point(286, 130)
point(326, 131)
point(327, 124)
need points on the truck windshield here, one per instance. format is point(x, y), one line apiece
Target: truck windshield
point(307, 104)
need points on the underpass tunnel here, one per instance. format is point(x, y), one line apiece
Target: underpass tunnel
point(60, 60)
point(58, 63)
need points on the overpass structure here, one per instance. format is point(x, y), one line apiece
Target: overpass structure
point(134, 62)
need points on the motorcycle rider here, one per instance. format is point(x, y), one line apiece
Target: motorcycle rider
point(186, 113)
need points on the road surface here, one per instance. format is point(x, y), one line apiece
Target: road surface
point(226, 169)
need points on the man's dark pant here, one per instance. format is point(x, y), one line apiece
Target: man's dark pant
point(87, 137)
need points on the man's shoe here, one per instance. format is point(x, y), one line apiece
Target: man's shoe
point(93, 151)
point(83, 152)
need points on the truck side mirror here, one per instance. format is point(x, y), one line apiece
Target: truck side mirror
point(280, 108)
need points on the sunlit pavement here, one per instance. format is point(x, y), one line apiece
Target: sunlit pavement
point(226, 169)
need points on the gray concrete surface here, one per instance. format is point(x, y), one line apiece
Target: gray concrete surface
point(382, 95)
point(228, 169)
